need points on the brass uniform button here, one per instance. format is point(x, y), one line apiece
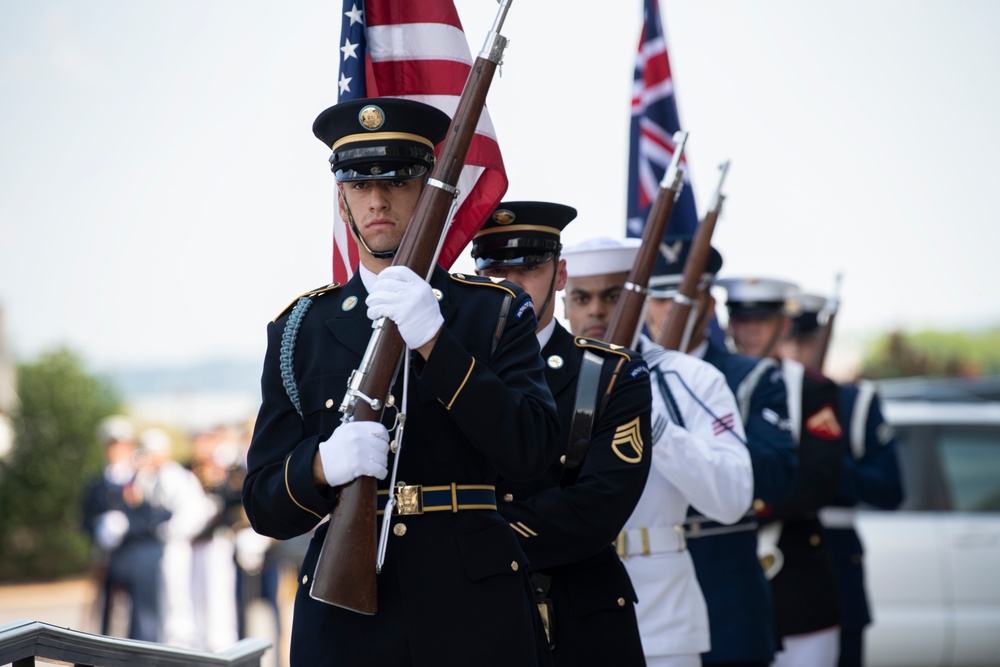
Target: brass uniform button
point(305, 579)
point(508, 497)
point(329, 403)
point(514, 566)
point(814, 540)
point(399, 529)
point(621, 602)
point(562, 459)
point(758, 505)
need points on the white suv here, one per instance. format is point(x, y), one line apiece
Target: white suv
point(933, 566)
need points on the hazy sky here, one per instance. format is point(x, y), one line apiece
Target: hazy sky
point(162, 196)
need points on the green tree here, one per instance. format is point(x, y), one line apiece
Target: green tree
point(933, 354)
point(55, 453)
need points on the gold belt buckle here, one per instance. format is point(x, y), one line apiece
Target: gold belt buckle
point(409, 499)
point(621, 544)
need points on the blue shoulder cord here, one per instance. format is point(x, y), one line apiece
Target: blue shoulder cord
point(288, 337)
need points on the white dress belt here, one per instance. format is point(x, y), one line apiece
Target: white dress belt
point(837, 517)
point(645, 541)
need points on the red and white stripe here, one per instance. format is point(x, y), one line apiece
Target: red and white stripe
point(418, 50)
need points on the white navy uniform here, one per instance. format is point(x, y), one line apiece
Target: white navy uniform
point(699, 458)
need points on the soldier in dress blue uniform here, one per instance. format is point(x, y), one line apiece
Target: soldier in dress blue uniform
point(454, 587)
point(568, 518)
point(126, 529)
point(792, 541)
point(869, 474)
point(740, 602)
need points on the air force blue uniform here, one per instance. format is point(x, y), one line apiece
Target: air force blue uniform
point(739, 597)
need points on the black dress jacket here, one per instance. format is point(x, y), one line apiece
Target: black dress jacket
point(567, 520)
point(454, 589)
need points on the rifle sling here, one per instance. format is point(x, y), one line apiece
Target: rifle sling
point(587, 390)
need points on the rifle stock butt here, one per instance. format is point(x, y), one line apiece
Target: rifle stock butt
point(345, 571)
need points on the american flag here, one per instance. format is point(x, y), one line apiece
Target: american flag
point(654, 121)
point(417, 50)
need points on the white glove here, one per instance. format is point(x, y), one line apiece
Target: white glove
point(110, 529)
point(355, 449)
point(251, 548)
point(406, 299)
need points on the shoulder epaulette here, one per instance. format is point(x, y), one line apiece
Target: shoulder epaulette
point(482, 280)
point(315, 292)
point(605, 348)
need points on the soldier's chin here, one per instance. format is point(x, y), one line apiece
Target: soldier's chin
point(596, 333)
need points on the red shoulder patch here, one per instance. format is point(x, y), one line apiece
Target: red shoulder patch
point(824, 424)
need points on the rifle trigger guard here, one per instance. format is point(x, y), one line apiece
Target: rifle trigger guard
point(450, 189)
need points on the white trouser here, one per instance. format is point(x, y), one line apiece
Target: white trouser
point(213, 574)
point(673, 661)
point(178, 612)
point(812, 649)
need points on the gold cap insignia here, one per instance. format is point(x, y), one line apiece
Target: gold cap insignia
point(349, 303)
point(627, 442)
point(503, 217)
point(555, 361)
point(371, 117)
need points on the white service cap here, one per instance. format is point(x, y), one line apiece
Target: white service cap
point(597, 256)
point(114, 429)
point(757, 296)
point(155, 440)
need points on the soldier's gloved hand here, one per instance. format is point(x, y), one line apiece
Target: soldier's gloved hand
point(111, 529)
point(355, 449)
point(406, 299)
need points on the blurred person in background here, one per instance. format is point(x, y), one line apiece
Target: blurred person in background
point(169, 485)
point(742, 622)
point(215, 461)
point(124, 527)
point(869, 471)
point(792, 540)
point(261, 561)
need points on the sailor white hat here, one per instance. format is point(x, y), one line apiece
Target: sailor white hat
point(601, 255)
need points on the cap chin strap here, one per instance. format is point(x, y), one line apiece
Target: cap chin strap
point(377, 254)
point(772, 344)
point(552, 284)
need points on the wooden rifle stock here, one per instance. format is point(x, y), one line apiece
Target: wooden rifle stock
point(826, 331)
point(345, 573)
point(676, 330)
point(625, 324)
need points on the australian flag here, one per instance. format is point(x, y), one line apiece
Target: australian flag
point(417, 50)
point(654, 121)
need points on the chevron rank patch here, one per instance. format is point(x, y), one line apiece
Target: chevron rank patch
point(627, 442)
point(823, 424)
point(723, 424)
